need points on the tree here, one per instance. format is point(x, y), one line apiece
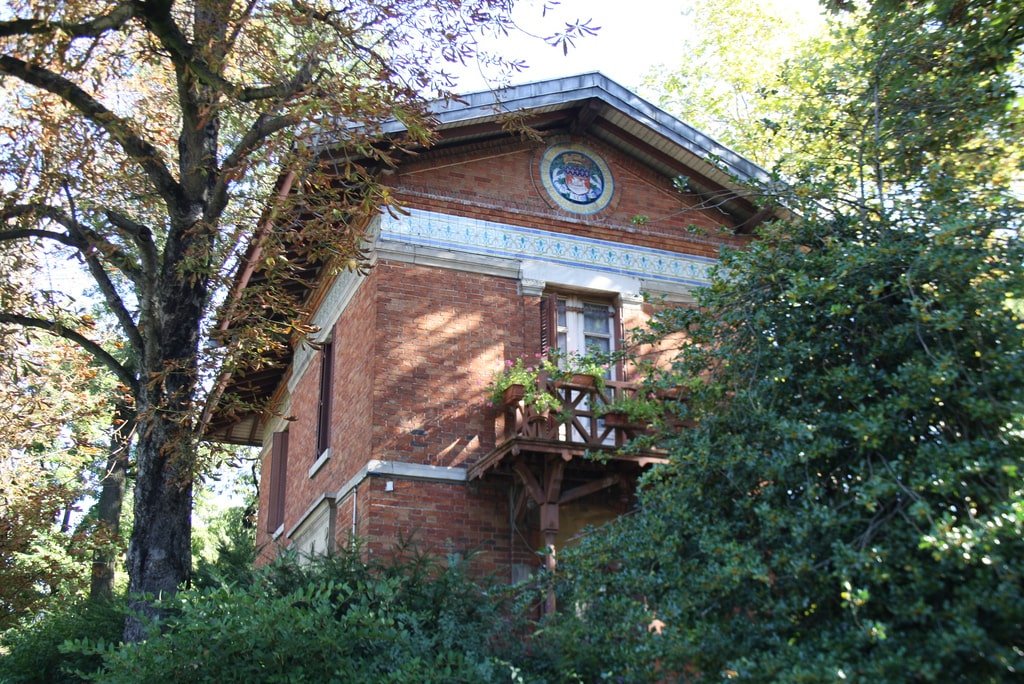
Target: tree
point(51, 435)
point(848, 504)
point(148, 133)
point(726, 91)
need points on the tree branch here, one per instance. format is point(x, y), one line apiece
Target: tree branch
point(161, 24)
point(262, 128)
point(85, 241)
point(281, 91)
point(85, 29)
point(135, 146)
point(101, 354)
point(140, 234)
point(80, 237)
point(113, 300)
point(25, 233)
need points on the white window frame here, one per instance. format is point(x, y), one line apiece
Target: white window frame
point(574, 328)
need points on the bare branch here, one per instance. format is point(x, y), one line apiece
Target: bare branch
point(135, 146)
point(85, 29)
point(55, 328)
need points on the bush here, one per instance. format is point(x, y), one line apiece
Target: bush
point(336, 619)
point(33, 648)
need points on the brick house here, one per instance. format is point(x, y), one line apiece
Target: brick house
point(511, 244)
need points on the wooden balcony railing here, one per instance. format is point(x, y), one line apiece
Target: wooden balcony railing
point(579, 422)
point(579, 426)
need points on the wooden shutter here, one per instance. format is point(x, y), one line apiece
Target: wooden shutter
point(618, 339)
point(548, 322)
point(278, 480)
point(323, 422)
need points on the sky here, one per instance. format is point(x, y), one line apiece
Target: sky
point(634, 37)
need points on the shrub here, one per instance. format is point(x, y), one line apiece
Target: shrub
point(33, 648)
point(335, 619)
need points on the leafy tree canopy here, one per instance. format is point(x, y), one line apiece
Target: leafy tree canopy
point(850, 502)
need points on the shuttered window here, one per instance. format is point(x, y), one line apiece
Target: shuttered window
point(575, 324)
point(278, 480)
point(323, 422)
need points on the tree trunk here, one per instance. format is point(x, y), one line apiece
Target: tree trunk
point(160, 555)
point(111, 500)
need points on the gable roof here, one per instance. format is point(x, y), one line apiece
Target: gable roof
point(625, 113)
point(594, 105)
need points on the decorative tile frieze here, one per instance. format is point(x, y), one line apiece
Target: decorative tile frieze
point(477, 236)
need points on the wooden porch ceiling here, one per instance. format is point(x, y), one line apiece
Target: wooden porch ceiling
point(517, 446)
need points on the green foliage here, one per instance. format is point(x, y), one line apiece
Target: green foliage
point(224, 554)
point(32, 653)
point(51, 454)
point(724, 91)
point(850, 502)
point(562, 365)
point(336, 619)
point(637, 409)
point(518, 372)
point(224, 536)
point(525, 373)
point(851, 499)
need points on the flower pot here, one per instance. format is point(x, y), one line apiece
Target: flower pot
point(620, 419)
point(513, 394)
point(671, 393)
point(582, 380)
point(538, 416)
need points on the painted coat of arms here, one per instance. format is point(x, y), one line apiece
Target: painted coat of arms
point(576, 179)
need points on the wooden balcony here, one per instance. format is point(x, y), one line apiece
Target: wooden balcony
point(542, 453)
point(578, 428)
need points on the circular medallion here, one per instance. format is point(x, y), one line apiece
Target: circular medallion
point(576, 179)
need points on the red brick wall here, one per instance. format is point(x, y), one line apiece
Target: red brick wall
point(417, 346)
point(440, 336)
point(440, 518)
point(502, 183)
point(351, 417)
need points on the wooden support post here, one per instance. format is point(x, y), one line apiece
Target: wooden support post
point(551, 563)
point(549, 523)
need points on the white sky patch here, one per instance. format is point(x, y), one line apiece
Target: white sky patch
point(634, 37)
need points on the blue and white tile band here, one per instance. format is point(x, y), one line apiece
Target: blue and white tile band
point(477, 236)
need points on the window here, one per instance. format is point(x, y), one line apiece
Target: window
point(579, 325)
point(278, 480)
point(584, 326)
point(323, 422)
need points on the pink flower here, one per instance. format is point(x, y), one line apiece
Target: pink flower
point(508, 362)
point(529, 369)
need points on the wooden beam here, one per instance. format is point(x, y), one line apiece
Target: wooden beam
point(586, 116)
point(589, 488)
point(529, 481)
point(553, 480)
point(748, 226)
